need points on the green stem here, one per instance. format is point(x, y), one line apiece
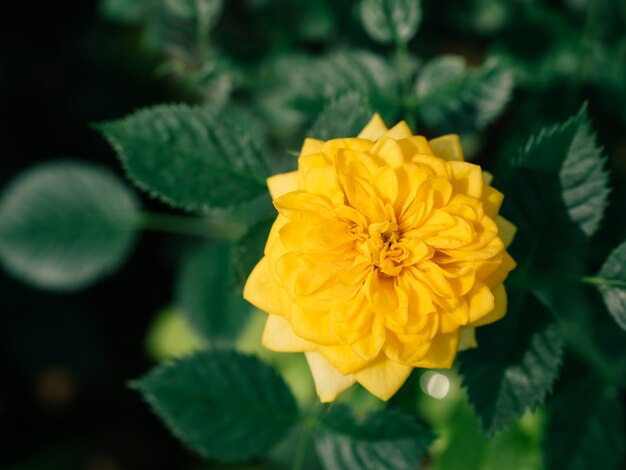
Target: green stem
point(403, 63)
point(191, 226)
point(601, 281)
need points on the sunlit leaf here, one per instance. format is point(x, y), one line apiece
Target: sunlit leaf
point(64, 225)
point(221, 404)
point(190, 157)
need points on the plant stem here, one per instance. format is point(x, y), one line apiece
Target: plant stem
point(601, 281)
point(404, 69)
point(191, 226)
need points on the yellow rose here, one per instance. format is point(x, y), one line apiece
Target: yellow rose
point(386, 253)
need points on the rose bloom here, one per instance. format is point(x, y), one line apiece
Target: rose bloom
point(386, 254)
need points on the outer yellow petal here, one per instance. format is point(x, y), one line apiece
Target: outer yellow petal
point(374, 129)
point(506, 230)
point(383, 377)
point(467, 338)
point(492, 200)
point(282, 183)
point(447, 147)
point(343, 358)
point(311, 146)
point(497, 277)
point(261, 290)
point(329, 382)
point(499, 309)
point(279, 336)
point(467, 178)
point(441, 353)
point(399, 131)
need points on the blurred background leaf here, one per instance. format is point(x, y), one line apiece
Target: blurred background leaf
point(64, 225)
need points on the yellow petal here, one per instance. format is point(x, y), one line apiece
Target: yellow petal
point(312, 326)
point(506, 230)
point(487, 177)
point(311, 146)
point(262, 291)
point(467, 338)
point(441, 353)
point(390, 151)
point(374, 129)
point(343, 358)
point(329, 382)
point(399, 131)
point(467, 178)
point(279, 336)
point(492, 200)
point(447, 147)
point(499, 309)
point(383, 377)
point(507, 264)
point(369, 346)
point(282, 183)
point(481, 302)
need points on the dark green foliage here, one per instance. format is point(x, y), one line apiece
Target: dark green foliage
point(249, 250)
point(222, 404)
point(190, 157)
point(301, 85)
point(343, 117)
point(570, 149)
point(389, 21)
point(380, 440)
point(585, 429)
point(453, 98)
point(612, 284)
point(258, 76)
point(515, 366)
point(64, 225)
point(206, 296)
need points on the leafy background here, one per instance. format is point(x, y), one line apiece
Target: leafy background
point(141, 282)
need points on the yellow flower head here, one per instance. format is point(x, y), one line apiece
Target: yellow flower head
point(387, 252)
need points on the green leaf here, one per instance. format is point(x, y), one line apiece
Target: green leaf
point(516, 365)
point(380, 440)
point(342, 117)
point(190, 157)
point(570, 149)
point(64, 225)
point(307, 83)
point(612, 284)
point(207, 11)
point(388, 21)
point(124, 11)
point(221, 404)
point(206, 296)
point(545, 234)
point(249, 250)
point(585, 429)
point(452, 98)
